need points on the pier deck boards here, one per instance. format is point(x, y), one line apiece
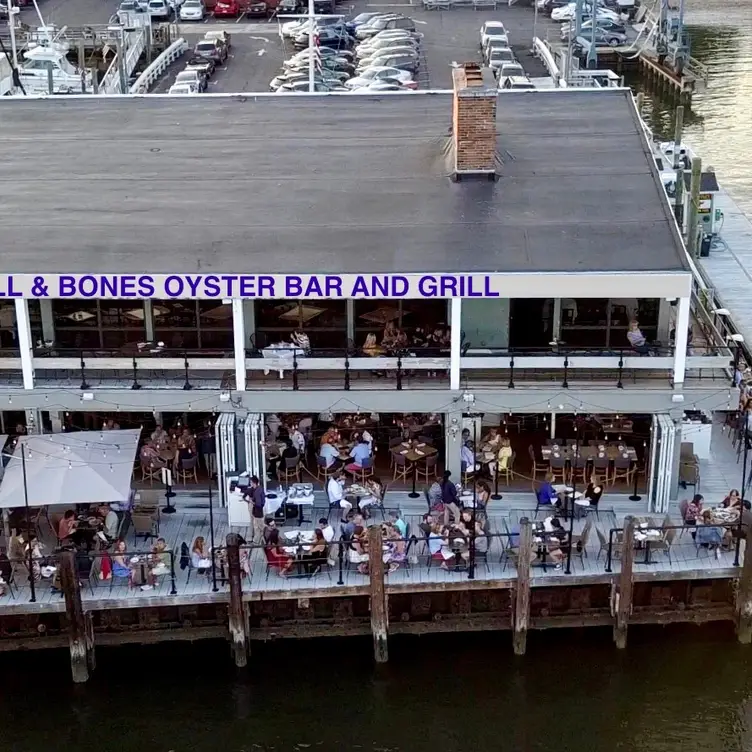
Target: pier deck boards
point(718, 475)
point(729, 265)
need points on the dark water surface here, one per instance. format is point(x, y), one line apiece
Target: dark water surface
point(719, 127)
point(670, 691)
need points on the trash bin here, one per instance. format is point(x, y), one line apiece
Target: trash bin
point(705, 245)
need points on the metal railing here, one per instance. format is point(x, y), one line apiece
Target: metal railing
point(20, 567)
point(156, 69)
point(647, 544)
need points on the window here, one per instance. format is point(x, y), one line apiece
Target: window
point(193, 324)
point(324, 321)
point(598, 322)
point(371, 316)
point(105, 324)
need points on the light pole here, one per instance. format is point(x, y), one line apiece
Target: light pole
point(471, 563)
point(739, 530)
point(32, 586)
point(573, 491)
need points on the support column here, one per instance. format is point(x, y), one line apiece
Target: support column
point(556, 328)
point(453, 444)
point(56, 421)
point(350, 303)
point(238, 636)
point(673, 490)
point(249, 319)
point(522, 588)
point(621, 606)
point(48, 320)
point(744, 595)
point(680, 354)
point(77, 637)
point(24, 341)
point(455, 310)
point(33, 422)
point(664, 321)
point(238, 330)
point(149, 321)
point(379, 607)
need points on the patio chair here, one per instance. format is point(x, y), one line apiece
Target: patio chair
point(143, 525)
point(663, 545)
point(395, 442)
point(536, 468)
point(616, 546)
point(186, 468)
point(558, 468)
point(429, 467)
point(291, 468)
point(365, 470)
point(151, 470)
point(579, 465)
point(624, 469)
point(322, 471)
point(401, 466)
point(582, 539)
point(507, 473)
point(468, 474)
point(602, 467)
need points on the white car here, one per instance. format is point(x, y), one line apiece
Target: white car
point(397, 50)
point(291, 29)
point(363, 50)
point(191, 77)
point(160, 9)
point(371, 75)
point(490, 29)
point(569, 12)
point(509, 69)
point(193, 10)
point(183, 89)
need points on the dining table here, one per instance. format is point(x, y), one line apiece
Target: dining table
point(414, 452)
point(645, 534)
point(612, 451)
point(297, 543)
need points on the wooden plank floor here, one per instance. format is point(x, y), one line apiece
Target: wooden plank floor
point(192, 519)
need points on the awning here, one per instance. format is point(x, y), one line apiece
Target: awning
point(86, 467)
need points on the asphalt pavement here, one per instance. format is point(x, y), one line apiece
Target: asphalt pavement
point(258, 51)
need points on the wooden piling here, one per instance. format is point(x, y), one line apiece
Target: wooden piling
point(77, 630)
point(744, 595)
point(693, 247)
point(238, 636)
point(379, 608)
point(622, 603)
point(522, 588)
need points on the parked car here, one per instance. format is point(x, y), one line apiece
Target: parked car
point(301, 87)
point(518, 83)
point(222, 36)
point(361, 19)
point(497, 56)
point(324, 6)
point(379, 74)
point(328, 37)
point(193, 77)
point(193, 10)
point(160, 10)
point(383, 44)
point(380, 24)
point(321, 53)
point(403, 62)
point(602, 37)
point(203, 65)
point(402, 50)
point(379, 86)
point(489, 29)
point(568, 12)
point(211, 48)
point(183, 89)
point(132, 6)
point(290, 7)
point(293, 28)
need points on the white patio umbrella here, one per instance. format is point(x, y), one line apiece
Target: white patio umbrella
point(87, 467)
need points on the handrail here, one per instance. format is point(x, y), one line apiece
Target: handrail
point(543, 51)
point(155, 69)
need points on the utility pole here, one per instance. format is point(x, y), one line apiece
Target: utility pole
point(312, 17)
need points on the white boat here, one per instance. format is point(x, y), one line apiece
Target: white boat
point(66, 77)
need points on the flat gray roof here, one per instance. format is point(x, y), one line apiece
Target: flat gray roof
point(345, 184)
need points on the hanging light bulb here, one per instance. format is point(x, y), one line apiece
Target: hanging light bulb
point(10, 400)
point(111, 470)
point(104, 453)
point(70, 465)
point(117, 446)
point(46, 398)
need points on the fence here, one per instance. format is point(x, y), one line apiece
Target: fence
point(157, 68)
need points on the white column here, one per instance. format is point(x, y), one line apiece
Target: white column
point(680, 356)
point(238, 330)
point(48, 320)
point(24, 341)
point(455, 322)
point(149, 321)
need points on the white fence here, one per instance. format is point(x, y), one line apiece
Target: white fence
point(155, 70)
point(543, 51)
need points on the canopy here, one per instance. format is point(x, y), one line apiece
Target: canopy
point(87, 467)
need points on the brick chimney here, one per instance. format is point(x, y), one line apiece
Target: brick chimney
point(474, 121)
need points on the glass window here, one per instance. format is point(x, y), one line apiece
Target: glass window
point(107, 324)
point(8, 335)
point(324, 321)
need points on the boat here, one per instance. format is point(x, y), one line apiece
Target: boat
point(42, 59)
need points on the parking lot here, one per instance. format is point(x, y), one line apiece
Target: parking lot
point(258, 51)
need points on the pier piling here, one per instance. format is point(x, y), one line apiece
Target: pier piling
point(744, 596)
point(238, 635)
point(80, 633)
point(693, 247)
point(379, 607)
point(522, 589)
point(622, 602)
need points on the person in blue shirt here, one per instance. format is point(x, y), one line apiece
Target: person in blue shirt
point(360, 452)
point(546, 494)
point(709, 536)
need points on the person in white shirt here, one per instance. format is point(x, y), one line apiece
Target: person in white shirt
point(272, 426)
point(326, 529)
point(468, 457)
point(330, 454)
point(335, 490)
point(298, 441)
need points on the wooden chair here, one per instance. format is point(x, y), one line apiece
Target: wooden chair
point(365, 470)
point(151, 470)
point(393, 443)
point(429, 467)
point(536, 468)
point(290, 468)
point(602, 467)
point(143, 525)
point(188, 468)
point(616, 546)
point(583, 539)
point(664, 544)
point(507, 473)
point(467, 474)
point(558, 468)
point(401, 466)
point(322, 471)
point(579, 464)
point(624, 469)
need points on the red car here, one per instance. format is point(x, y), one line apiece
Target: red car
point(235, 8)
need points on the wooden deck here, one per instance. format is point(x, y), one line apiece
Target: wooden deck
point(718, 475)
point(729, 266)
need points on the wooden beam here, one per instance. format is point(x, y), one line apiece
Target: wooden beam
point(379, 608)
point(522, 590)
point(236, 612)
point(77, 629)
point(622, 598)
point(744, 595)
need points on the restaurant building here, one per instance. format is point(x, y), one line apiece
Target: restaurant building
point(530, 226)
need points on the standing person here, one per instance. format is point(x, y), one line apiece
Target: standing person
point(449, 498)
point(256, 499)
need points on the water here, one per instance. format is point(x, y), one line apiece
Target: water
point(670, 691)
point(719, 127)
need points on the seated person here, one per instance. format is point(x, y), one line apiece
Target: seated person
point(200, 556)
point(637, 339)
point(375, 489)
point(335, 490)
point(398, 523)
point(546, 495)
point(276, 556)
point(733, 500)
point(694, 510)
point(359, 453)
point(492, 439)
point(67, 525)
point(558, 542)
point(269, 525)
point(709, 536)
point(330, 454)
point(120, 566)
point(110, 520)
point(482, 494)
point(277, 463)
point(160, 558)
point(468, 457)
point(315, 558)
